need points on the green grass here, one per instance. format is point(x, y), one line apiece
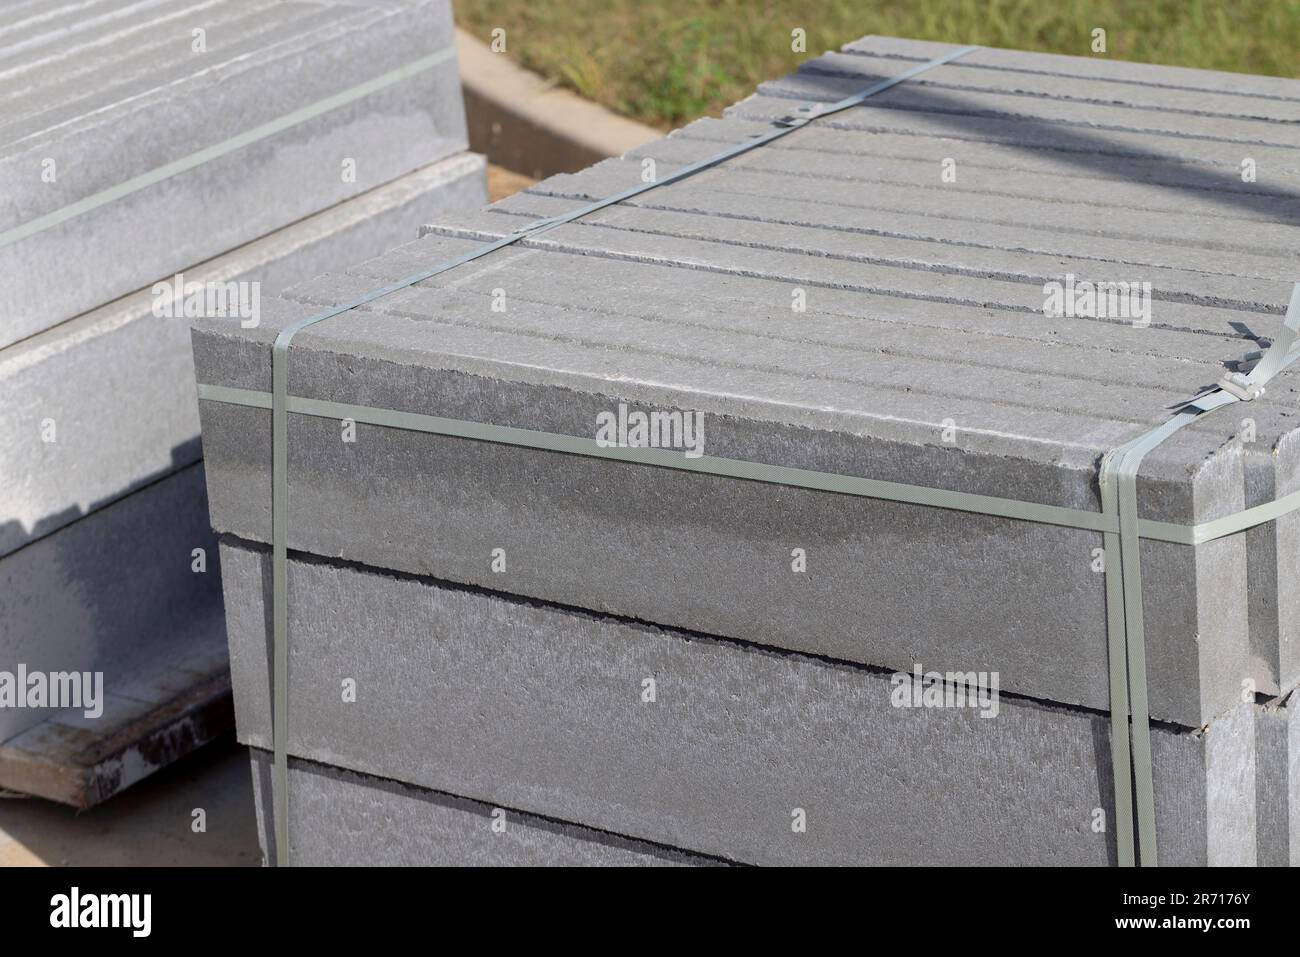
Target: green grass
point(666, 62)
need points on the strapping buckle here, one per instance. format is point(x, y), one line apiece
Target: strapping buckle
point(1240, 387)
point(802, 115)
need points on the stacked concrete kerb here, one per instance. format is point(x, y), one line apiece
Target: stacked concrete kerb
point(160, 160)
point(487, 634)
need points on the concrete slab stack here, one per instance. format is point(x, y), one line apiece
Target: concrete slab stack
point(722, 666)
point(150, 151)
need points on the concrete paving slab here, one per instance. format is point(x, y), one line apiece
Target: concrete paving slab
point(117, 59)
point(110, 592)
point(793, 226)
point(1001, 338)
point(222, 203)
point(567, 537)
point(1216, 170)
point(1076, 215)
point(152, 824)
point(1088, 146)
point(1085, 67)
point(976, 73)
point(116, 385)
point(342, 819)
point(709, 745)
point(1168, 194)
point(988, 100)
point(635, 541)
point(1270, 788)
point(1293, 776)
point(239, 454)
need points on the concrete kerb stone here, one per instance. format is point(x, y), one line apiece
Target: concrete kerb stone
point(528, 125)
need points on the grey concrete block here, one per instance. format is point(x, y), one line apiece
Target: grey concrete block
point(1274, 834)
point(904, 218)
point(1080, 145)
point(289, 59)
point(681, 300)
point(982, 71)
point(568, 540)
point(1120, 161)
point(117, 384)
point(1285, 538)
point(1293, 776)
point(999, 118)
point(976, 223)
point(1246, 786)
point(341, 819)
point(1088, 68)
point(941, 95)
point(113, 592)
point(543, 709)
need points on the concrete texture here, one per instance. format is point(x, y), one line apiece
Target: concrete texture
point(541, 708)
point(924, 307)
point(999, 71)
point(1031, 122)
point(118, 383)
point(522, 122)
point(113, 592)
point(1115, 161)
point(1293, 776)
point(1274, 835)
point(76, 89)
point(793, 218)
point(923, 357)
point(1084, 68)
point(83, 760)
point(568, 538)
point(342, 819)
point(1163, 113)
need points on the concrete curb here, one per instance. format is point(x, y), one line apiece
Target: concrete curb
point(525, 124)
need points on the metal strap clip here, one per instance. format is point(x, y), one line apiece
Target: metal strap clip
point(1237, 385)
point(803, 115)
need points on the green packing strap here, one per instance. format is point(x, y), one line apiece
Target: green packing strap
point(1126, 639)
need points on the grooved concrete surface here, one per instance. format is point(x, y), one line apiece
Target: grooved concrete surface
point(919, 233)
point(96, 95)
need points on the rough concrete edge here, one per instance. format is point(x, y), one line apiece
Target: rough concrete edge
point(88, 772)
point(522, 122)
